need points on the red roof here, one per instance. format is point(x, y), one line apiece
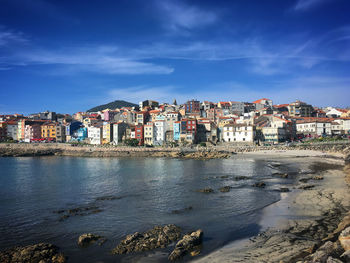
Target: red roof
point(259, 101)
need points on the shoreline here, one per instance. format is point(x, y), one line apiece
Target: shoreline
point(295, 226)
point(274, 241)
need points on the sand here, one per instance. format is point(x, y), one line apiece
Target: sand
point(300, 220)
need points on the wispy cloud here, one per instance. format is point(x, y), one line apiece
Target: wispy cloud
point(10, 37)
point(178, 15)
point(303, 5)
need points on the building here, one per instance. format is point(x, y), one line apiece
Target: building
point(32, 132)
point(119, 132)
point(224, 105)
point(3, 131)
point(160, 128)
point(148, 103)
point(60, 133)
point(12, 130)
point(335, 113)
point(142, 117)
point(177, 130)
point(95, 134)
point(192, 106)
point(107, 133)
point(237, 108)
point(300, 109)
point(81, 134)
point(149, 134)
point(262, 103)
point(314, 127)
point(139, 133)
point(238, 133)
point(274, 134)
point(48, 131)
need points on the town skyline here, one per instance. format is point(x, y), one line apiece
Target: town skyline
point(69, 56)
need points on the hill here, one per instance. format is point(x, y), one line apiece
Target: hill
point(113, 105)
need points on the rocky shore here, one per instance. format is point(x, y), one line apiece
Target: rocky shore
point(203, 153)
point(315, 230)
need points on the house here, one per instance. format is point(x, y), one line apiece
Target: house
point(107, 136)
point(300, 109)
point(171, 117)
point(12, 129)
point(142, 117)
point(237, 108)
point(149, 134)
point(148, 103)
point(206, 105)
point(177, 130)
point(3, 131)
point(314, 127)
point(224, 105)
point(262, 103)
point(48, 131)
point(335, 113)
point(192, 106)
point(119, 132)
point(160, 127)
point(344, 125)
point(60, 133)
point(274, 134)
point(188, 130)
point(95, 134)
point(32, 132)
point(337, 127)
point(238, 133)
point(139, 133)
point(206, 130)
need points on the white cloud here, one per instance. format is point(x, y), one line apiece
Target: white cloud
point(178, 15)
point(303, 5)
point(9, 37)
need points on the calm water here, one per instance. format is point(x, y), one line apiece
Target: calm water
point(149, 190)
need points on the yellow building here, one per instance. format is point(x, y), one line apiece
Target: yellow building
point(48, 130)
point(107, 133)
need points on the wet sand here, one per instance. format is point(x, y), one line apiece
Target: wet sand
point(300, 220)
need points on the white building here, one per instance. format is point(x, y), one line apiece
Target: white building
point(334, 113)
point(274, 134)
point(238, 133)
point(160, 127)
point(95, 134)
point(314, 127)
point(12, 130)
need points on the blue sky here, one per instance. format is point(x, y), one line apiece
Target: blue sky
point(69, 56)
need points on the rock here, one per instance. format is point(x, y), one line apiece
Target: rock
point(157, 237)
point(284, 190)
point(259, 185)
point(317, 177)
point(42, 252)
point(322, 254)
point(306, 187)
point(190, 243)
point(346, 256)
point(179, 211)
point(225, 189)
point(304, 180)
point(86, 239)
point(344, 239)
point(205, 190)
point(281, 175)
point(333, 260)
point(239, 178)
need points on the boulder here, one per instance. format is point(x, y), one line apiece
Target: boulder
point(259, 185)
point(205, 190)
point(333, 260)
point(344, 239)
point(157, 237)
point(86, 239)
point(346, 256)
point(284, 190)
point(225, 189)
point(306, 187)
point(42, 252)
point(281, 175)
point(317, 177)
point(190, 243)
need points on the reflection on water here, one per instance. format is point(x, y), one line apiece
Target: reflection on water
point(148, 190)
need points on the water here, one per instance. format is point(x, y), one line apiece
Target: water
point(149, 189)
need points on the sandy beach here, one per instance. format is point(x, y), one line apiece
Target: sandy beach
point(297, 223)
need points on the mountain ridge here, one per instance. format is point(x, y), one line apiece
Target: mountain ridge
point(113, 105)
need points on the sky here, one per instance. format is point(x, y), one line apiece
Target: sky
point(68, 56)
